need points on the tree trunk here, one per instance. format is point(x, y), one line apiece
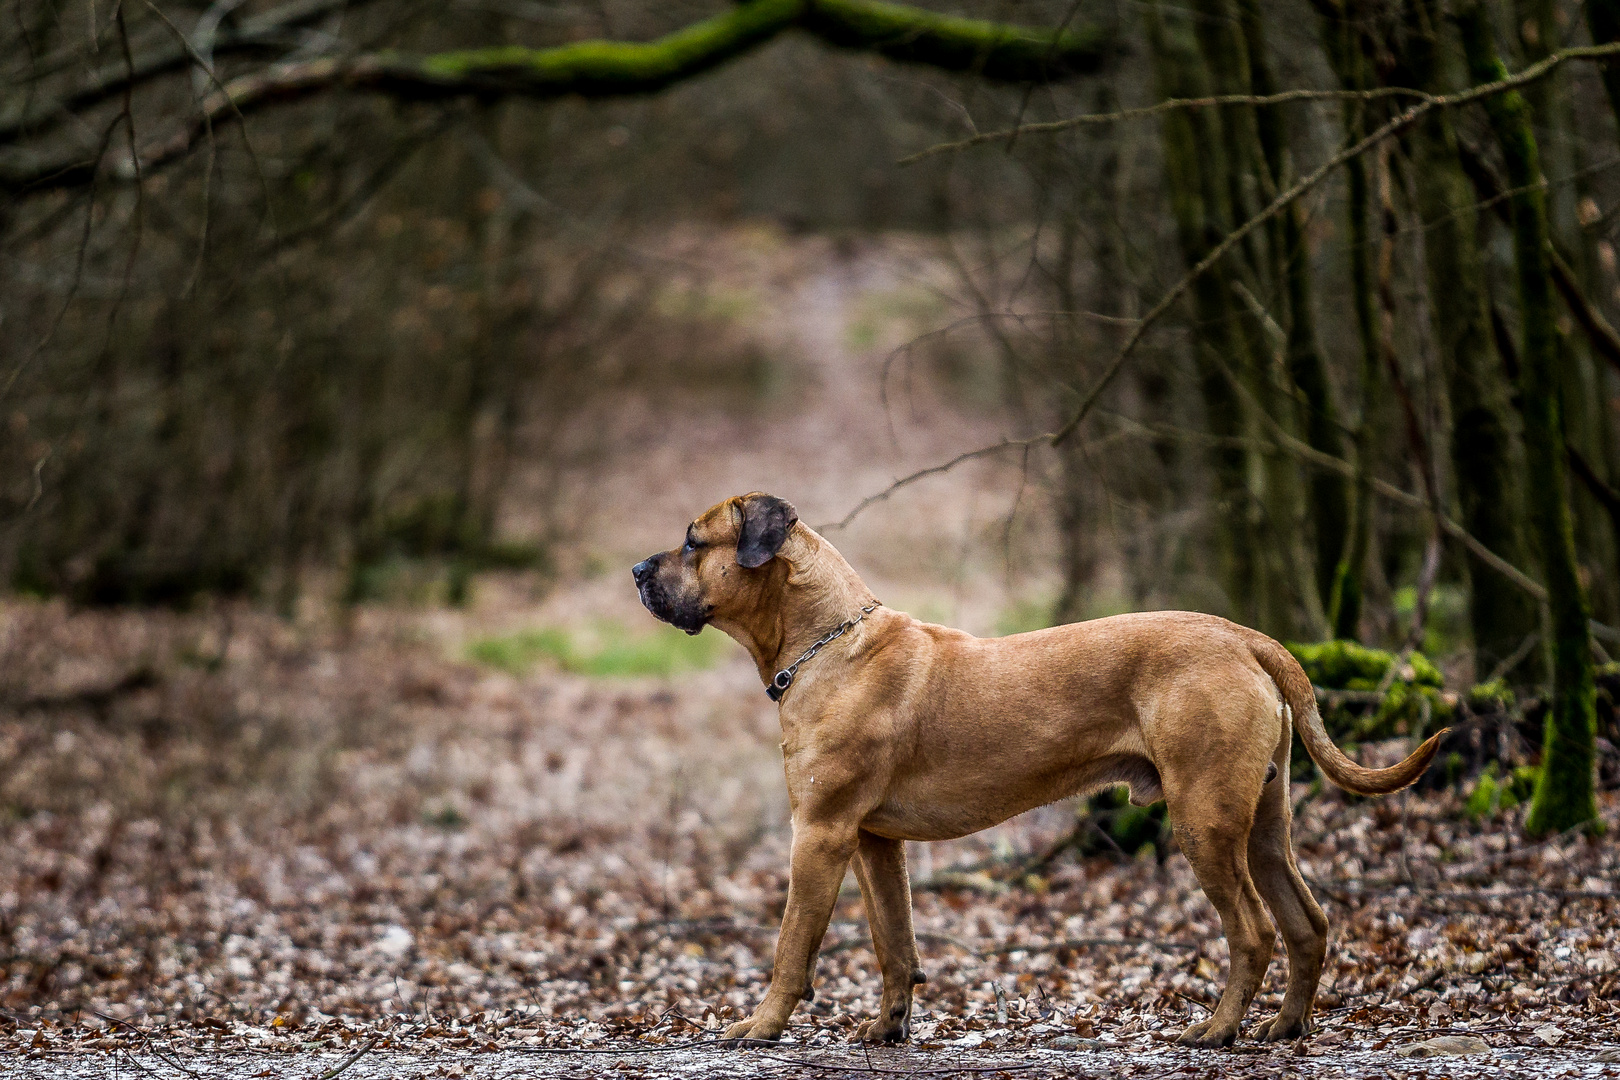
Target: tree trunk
point(1564, 795)
point(1341, 40)
point(1197, 176)
point(1484, 460)
point(1329, 494)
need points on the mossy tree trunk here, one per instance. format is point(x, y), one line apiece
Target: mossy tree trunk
point(1564, 795)
point(1329, 495)
point(1580, 386)
point(1197, 177)
point(1341, 38)
point(1484, 457)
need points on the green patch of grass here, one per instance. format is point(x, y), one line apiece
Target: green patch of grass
point(517, 653)
point(605, 650)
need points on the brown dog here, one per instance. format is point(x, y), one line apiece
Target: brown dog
point(900, 730)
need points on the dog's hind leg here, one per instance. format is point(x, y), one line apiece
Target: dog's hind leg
point(880, 867)
point(1298, 916)
point(1212, 827)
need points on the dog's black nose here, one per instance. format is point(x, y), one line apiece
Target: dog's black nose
point(642, 570)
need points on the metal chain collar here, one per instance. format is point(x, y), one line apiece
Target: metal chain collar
point(784, 678)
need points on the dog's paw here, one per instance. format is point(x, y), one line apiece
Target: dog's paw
point(755, 1027)
point(879, 1030)
point(1275, 1030)
point(1205, 1035)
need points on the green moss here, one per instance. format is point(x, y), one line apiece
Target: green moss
point(601, 68)
point(664, 652)
point(1483, 800)
point(606, 650)
point(1493, 696)
point(1122, 825)
point(988, 49)
point(1494, 794)
point(598, 66)
point(1345, 665)
point(1416, 690)
point(444, 817)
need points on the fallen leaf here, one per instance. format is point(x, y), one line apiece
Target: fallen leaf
point(1445, 1045)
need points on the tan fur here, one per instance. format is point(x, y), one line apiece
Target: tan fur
point(902, 730)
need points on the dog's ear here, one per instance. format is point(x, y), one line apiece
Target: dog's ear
point(766, 522)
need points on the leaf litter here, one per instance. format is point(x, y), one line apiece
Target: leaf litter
point(227, 837)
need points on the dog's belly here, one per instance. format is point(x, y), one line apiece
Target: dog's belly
point(946, 805)
point(898, 822)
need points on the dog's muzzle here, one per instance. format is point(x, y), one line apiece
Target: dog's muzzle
point(683, 616)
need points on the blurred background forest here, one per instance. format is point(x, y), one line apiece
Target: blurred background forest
point(351, 351)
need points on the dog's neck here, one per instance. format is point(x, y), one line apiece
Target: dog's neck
point(817, 591)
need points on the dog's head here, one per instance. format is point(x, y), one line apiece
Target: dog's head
point(723, 567)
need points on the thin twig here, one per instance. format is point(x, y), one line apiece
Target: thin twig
point(343, 1066)
point(133, 1060)
point(1196, 1001)
point(1173, 104)
point(1516, 657)
point(906, 481)
point(146, 1041)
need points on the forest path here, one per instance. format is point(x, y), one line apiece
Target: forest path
point(849, 408)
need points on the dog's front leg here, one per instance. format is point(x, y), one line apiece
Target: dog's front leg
point(821, 854)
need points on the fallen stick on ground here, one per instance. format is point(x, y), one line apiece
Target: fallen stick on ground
point(343, 1066)
point(146, 1041)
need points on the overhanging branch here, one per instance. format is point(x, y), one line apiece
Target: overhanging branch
point(610, 68)
point(268, 30)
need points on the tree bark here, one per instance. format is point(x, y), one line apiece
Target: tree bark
point(1197, 176)
point(1329, 497)
point(1342, 42)
point(1484, 457)
point(1564, 795)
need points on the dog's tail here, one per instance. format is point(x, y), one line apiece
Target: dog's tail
point(1300, 698)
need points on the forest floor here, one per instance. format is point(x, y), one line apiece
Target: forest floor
point(459, 869)
point(524, 836)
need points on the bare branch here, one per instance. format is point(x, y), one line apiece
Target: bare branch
point(1213, 101)
point(932, 470)
point(259, 32)
point(618, 68)
point(1391, 128)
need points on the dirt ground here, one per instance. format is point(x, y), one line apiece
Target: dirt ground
point(240, 846)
